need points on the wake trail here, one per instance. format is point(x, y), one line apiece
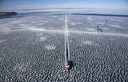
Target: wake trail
point(67, 53)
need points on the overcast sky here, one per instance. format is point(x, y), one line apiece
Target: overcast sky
point(38, 4)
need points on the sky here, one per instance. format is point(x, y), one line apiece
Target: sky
point(40, 4)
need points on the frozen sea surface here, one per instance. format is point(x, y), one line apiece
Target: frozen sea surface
point(32, 46)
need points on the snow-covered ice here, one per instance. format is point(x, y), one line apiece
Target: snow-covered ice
point(32, 46)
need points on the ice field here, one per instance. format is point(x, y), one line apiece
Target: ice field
point(32, 46)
